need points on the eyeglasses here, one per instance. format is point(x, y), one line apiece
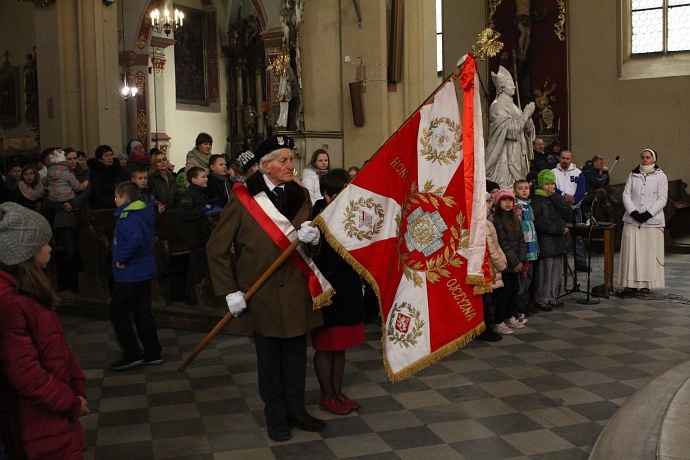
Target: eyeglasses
point(161, 160)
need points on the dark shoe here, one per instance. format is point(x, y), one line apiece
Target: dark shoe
point(583, 269)
point(533, 309)
point(489, 336)
point(544, 307)
point(279, 433)
point(153, 362)
point(124, 364)
point(645, 291)
point(354, 405)
point(334, 405)
point(556, 304)
point(628, 292)
point(306, 422)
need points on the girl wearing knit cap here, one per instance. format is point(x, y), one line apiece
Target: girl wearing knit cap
point(41, 383)
point(512, 242)
point(551, 212)
point(642, 247)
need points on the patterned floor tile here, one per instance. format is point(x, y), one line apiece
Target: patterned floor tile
point(544, 393)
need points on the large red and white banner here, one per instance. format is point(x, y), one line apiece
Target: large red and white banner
point(412, 223)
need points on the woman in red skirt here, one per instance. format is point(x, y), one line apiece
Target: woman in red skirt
point(343, 320)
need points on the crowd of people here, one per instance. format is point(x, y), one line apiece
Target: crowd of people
point(529, 232)
point(261, 208)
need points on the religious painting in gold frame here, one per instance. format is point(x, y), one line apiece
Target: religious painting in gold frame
point(191, 82)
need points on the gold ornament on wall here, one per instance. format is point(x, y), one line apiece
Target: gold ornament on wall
point(487, 44)
point(493, 4)
point(39, 2)
point(142, 127)
point(559, 27)
point(140, 80)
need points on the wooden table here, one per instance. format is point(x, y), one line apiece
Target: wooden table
point(605, 233)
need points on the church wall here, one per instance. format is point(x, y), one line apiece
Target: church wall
point(183, 122)
point(321, 77)
point(369, 44)
point(384, 110)
point(612, 116)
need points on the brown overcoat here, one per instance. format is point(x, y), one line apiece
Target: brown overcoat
point(282, 307)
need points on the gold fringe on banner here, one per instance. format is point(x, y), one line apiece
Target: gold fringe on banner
point(323, 299)
point(428, 360)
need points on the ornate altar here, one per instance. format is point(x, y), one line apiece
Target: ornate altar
point(246, 82)
point(9, 94)
point(536, 54)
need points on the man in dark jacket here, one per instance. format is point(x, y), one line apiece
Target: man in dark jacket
point(541, 160)
point(596, 175)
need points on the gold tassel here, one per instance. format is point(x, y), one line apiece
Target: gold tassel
point(323, 299)
point(433, 357)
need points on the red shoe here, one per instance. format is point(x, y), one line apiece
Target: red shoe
point(334, 405)
point(353, 405)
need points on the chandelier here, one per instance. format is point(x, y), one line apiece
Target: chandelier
point(163, 24)
point(128, 91)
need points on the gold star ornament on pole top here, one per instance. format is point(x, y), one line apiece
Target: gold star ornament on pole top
point(487, 44)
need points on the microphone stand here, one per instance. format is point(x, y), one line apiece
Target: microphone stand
point(588, 300)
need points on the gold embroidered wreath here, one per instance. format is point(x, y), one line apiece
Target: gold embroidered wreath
point(447, 156)
point(351, 212)
point(409, 338)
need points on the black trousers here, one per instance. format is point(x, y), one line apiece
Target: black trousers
point(282, 366)
point(135, 299)
point(507, 296)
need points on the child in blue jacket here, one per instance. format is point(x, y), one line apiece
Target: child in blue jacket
point(134, 267)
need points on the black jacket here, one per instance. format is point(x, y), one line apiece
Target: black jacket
point(550, 217)
point(348, 302)
point(512, 243)
point(542, 161)
point(192, 203)
point(594, 179)
point(218, 189)
point(165, 192)
point(103, 181)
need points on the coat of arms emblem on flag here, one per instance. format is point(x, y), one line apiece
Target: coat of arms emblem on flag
point(412, 223)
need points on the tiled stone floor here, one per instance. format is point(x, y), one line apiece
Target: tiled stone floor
point(543, 393)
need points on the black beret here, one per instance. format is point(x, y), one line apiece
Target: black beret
point(491, 186)
point(273, 143)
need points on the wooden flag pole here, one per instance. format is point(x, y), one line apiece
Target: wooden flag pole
point(252, 290)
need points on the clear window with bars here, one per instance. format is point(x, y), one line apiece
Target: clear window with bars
point(660, 26)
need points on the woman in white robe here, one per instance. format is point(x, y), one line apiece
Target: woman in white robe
point(642, 248)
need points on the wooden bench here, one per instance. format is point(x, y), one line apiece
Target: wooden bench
point(677, 211)
point(169, 243)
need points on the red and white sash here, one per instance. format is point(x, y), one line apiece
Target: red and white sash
point(283, 233)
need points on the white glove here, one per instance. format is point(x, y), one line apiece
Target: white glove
point(307, 234)
point(236, 303)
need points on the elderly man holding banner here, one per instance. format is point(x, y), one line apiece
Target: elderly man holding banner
point(261, 220)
